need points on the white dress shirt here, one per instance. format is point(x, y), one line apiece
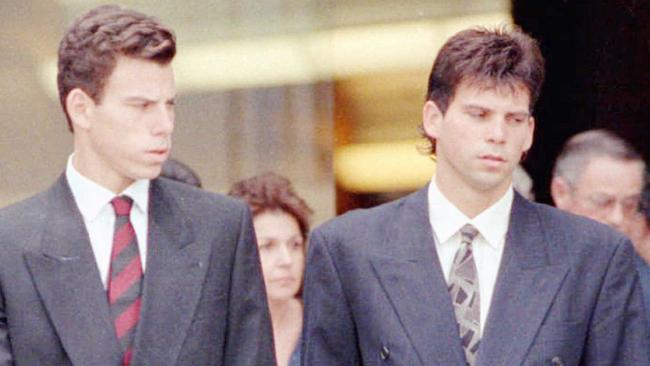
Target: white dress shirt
point(93, 201)
point(492, 224)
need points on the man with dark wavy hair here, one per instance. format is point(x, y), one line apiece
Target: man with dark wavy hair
point(113, 265)
point(466, 271)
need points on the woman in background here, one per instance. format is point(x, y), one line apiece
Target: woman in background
point(281, 221)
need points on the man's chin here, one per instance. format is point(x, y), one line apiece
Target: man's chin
point(152, 172)
point(489, 182)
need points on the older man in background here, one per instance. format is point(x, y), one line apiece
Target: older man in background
point(601, 176)
point(640, 235)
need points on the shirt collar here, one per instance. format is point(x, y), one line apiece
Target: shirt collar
point(91, 197)
point(447, 220)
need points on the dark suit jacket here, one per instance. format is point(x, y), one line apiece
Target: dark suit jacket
point(203, 297)
point(566, 293)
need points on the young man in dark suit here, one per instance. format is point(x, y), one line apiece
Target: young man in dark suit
point(466, 271)
point(112, 265)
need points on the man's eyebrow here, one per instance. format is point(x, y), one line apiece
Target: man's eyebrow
point(475, 106)
point(138, 98)
point(633, 196)
point(523, 114)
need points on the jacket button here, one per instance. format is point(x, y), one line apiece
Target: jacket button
point(384, 353)
point(557, 361)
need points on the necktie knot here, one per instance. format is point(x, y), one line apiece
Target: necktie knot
point(467, 234)
point(122, 205)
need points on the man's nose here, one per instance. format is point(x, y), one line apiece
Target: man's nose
point(616, 216)
point(164, 120)
point(497, 132)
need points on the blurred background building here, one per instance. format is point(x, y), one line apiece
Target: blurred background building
point(328, 93)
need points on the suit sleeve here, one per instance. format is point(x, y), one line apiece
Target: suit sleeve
point(249, 339)
point(6, 356)
point(329, 334)
point(618, 334)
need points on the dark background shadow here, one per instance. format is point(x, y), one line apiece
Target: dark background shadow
point(598, 55)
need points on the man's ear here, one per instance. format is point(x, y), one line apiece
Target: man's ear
point(561, 193)
point(78, 105)
point(431, 118)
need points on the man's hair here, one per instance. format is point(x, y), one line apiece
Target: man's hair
point(180, 172)
point(584, 146)
point(90, 47)
point(489, 58)
point(270, 191)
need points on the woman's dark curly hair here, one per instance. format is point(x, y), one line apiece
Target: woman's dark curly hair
point(270, 191)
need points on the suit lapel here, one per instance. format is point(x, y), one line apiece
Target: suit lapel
point(66, 277)
point(176, 268)
point(411, 276)
point(530, 275)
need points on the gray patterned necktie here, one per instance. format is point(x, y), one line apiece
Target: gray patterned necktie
point(464, 290)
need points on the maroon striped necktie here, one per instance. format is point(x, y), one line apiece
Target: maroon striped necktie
point(124, 278)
